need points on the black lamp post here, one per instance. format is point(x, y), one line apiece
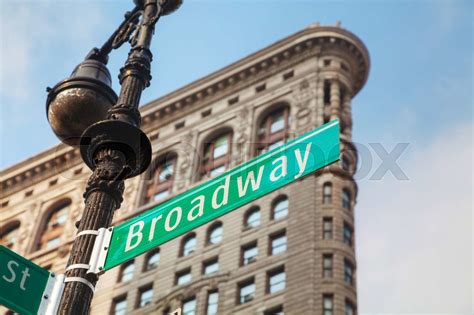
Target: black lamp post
point(84, 110)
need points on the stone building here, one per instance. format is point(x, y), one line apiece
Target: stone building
point(290, 252)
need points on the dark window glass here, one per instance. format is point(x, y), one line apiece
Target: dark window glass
point(327, 228)
point(327, 266)
point(327, 193)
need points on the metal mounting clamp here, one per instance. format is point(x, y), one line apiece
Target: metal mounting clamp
point(99, 251)
point(52, 295)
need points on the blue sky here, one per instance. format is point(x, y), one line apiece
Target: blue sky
point(419, 92)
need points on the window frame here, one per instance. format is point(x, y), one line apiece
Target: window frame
point(326, 231)
point(273, 237)
point(209, 293)
point(244, 248)
point(241, 285)
point(212, 229)
point(115, 301)
point(210, 262)
point(141, 291)
point(123, 267)
point(185, 239)
point(265, 138)
point(156, 185)
point(180, 274)
point(55, 230)
point(208, 164)
point(328, 271)
point(327, 196)
point(275, 203)
point(273, 273)
point(148, 256)
point(248, 214)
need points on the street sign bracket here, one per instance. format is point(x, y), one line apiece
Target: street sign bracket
point(100, 250)
point(52, 295)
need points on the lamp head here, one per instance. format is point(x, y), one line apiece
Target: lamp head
point(80, 100)
point(168, 7)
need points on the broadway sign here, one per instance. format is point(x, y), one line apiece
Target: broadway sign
point(225, 193)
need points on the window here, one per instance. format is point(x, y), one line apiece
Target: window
point(246, 291)
point(233, 100)
point(288, 75)
point(328, 304)
point(145, 296)
point(216, 155)
point(214, 234)
point(273, 130)
point(327, 265)
point(188, 245)
point(161, 183)
point(189, 307)
point(126, 272)
point(346, 199)
point(327, 93)
point(212, 303)
point(345, 164)
point(260, 88)
point(53, 226)
point(276, 280)
point(347, 234)
point(206, 112)
point(280, 208)
point(327, 228)
point(278, 243)
point(275, 311)
point(349, 308)
point(327, 193)
point(152, 260)
point(179, 125)
point(327, 62)
point(183, 277)
point(210, 266)
point(119, 306)
point(9, 234)
point(252, 218)
point(348, 272)
point(249, 254)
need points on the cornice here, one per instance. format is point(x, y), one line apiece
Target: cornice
point(312, 41)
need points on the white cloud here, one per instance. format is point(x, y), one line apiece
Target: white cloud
point(415, 237)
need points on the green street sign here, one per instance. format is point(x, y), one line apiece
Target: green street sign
point(22, 283)
point(229, 191)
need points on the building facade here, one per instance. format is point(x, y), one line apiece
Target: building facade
point(289, 252)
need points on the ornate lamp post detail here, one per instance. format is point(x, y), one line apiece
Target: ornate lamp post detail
point(84, 110)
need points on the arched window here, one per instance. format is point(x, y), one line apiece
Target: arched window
point(273, 130)
point(53, 225)
point(346, 199)
point(9, 234)
point(327, 193)
point(188, 245)
point(280, 208)
point(216, 157)
point(126, 271)
point(214, 234)
point(345, 164)
point(161, 182)
point(152, 259)
point(252, 218)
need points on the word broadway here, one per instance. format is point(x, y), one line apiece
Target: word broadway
point(225, 193)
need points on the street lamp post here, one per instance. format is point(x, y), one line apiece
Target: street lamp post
point(84, 110)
